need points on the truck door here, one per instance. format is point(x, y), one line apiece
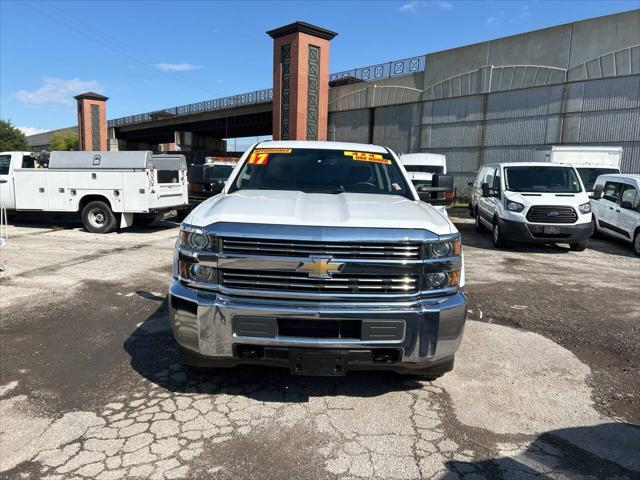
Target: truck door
point(7, 197)
point(608, 206)
point(30, 184)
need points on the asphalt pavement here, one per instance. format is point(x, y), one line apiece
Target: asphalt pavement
point(545, 384)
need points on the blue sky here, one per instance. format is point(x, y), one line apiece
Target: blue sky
point(148, 55)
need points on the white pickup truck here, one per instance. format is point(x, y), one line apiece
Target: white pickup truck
point(109, 189)
point(320, 257)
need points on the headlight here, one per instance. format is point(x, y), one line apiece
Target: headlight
point(438, 280)
point(196, 272)
point(514, 206)
point(194, 240)
point(446, 249)
point(585, 207)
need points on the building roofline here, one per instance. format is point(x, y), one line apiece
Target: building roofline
point(302, 27)
point(91, 96)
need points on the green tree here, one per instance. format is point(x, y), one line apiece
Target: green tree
point(64, 140)
point(11, 139)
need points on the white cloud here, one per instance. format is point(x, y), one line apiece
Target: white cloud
point(176, 67)
point(57, 90)
point(413, 5)
point(31, 130)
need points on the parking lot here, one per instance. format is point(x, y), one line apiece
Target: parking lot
point(546, 382)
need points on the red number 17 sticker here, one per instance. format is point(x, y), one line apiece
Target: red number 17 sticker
point(258, 158)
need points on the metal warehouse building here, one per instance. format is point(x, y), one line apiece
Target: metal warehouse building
point(503, 99)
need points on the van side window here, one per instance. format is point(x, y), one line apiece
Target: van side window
point(480, 177)
point(488, 178)
point(5, 162)
point(612, 191)
point(630, 198)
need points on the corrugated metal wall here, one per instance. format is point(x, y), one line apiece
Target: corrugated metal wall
point(505, 126)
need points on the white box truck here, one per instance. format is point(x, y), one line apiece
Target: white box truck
point(109, 189)
point(590, 162)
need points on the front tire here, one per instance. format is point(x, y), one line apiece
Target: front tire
point(595, 233)
point(498, 239)
point(478, 226)
point(97, 217)
point(578, 246)
point(636, 242)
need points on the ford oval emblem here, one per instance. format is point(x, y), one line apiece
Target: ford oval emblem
point(553, 213)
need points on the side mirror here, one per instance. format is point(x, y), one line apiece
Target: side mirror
point(597, 192)
point(486, 190)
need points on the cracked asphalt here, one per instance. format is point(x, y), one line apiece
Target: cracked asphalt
point(545, 384)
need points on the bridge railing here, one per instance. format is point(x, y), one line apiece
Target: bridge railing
point(395, 68)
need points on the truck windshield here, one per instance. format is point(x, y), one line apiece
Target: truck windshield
point(321, 171)
point(542, 179)
point(5, 161)
point(220, 172)
point(590, 174)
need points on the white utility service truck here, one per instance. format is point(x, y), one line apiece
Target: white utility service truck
point(590, 162)
point(109, 189)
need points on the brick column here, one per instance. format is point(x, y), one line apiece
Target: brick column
point(92, 121)
point(300, 81)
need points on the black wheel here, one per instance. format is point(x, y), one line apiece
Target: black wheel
point(594, 224)
point(97, 217)
point(479, 227)
point(636, 242)
point(143, 219)
point(578, 246)
point(498, 239)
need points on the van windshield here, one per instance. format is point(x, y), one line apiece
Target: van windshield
point(590, 174)
point(424, 168)
point(321, 171)
point(542, 179)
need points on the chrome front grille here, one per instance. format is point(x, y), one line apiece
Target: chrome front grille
point(300, 282)
point(295, 248)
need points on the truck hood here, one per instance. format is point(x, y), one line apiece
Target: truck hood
point(284, 207)
point(544, 198)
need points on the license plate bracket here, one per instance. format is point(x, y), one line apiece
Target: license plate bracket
point(318, 362)
point(551, 229)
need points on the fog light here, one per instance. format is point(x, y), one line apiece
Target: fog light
point(201, 273)
point(438, 280)
point(441, 249)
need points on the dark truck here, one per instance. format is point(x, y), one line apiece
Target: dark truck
point(207, 180)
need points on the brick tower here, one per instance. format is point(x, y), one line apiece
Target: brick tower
point(300, 81)
point(92, 121)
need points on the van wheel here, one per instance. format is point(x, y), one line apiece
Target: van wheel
point(595, 233)
point(479, 227)
point(97, 217)
point(498, 239)
point(636, 243)
point(578, 246)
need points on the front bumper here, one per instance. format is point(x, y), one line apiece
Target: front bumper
point(534, 233)
point(221, 330)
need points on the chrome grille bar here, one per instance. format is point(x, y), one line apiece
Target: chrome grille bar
point(410, 251)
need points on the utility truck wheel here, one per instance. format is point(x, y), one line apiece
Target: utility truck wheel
point(636, 242)
point(498, 240)
point(478, 226)
point(97, 217)
point(578, 246)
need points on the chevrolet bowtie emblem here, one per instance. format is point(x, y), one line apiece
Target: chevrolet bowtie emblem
point(319, 267)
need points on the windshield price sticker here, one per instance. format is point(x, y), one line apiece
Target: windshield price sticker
point(258, 158)
point(272, 150)
point(367, 157)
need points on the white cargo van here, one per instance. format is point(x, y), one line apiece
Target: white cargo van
point(532, 202)
point(590, 162)
point(109, 189)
